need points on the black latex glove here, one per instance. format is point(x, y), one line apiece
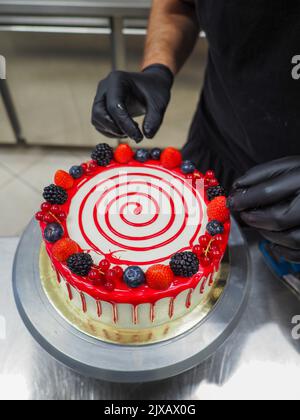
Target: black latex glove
point(123, 96)
point(268, 198)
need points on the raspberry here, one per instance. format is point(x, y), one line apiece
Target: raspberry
point(171, 158)
point(64, 180)
point(159, 277)
point(64, 248)
point(217, 210)
point(123, 154)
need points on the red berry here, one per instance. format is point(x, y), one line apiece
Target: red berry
point(110, 286)
point(218, 239)
point(159, 277)
point(64, 248)
point(213, 182)
point(118, 272)
point(123, 154)
point(216, 255)
point(48, 218)
point(171, 158)
point(84, 167)
point(55, 209)
point(210, 175)
point(205, 261)
point(91, 167)
point(218, 210)
point(94, 275)
point(110, 275)
point(198, 250)
point(39, 216)
point(64, 180)
point(104, 265)
point(46, 207)
point(204, 240)
point(62, 215)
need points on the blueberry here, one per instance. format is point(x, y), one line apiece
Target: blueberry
point(53, 232)
point(134, 277)
point(188, 167)
point(76, 172)
point(215, 228)
point(156, 153)
point(142, 155)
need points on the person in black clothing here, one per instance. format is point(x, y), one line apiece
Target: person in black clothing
point(246, 120)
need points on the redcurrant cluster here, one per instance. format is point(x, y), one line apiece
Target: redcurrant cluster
point(89, 167)
point(51, 213)
point(105, 276)
point(210, 249)
point(210, 180)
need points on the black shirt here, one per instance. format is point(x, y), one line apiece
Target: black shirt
point(249, 108)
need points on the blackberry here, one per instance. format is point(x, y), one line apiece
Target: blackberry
point(55, 195)
point(215, 228)
point(215, 192)
point(103, 154)
point(80, 264)
point(184, 264)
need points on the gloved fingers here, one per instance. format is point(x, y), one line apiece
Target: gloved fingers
point(283, 216)
point(289, 238)
point(291, 255)
point(116, 99)
point(267, 193)
point(102, 121)
point(267, 171)
point(153, 120)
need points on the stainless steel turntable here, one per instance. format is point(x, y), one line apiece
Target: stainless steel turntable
point(98, 359)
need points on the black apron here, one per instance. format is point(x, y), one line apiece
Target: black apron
point(249, 108)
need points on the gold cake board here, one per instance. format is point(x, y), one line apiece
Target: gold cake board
point(100, 331)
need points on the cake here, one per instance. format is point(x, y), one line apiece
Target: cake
point(135, 239)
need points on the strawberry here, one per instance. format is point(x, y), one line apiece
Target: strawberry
point(123, 154)
point(64, 248)
point(171, 158)
point(159, 277)
point(64, 180)
point(218, 210)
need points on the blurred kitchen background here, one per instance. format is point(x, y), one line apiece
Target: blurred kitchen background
point(57, 52)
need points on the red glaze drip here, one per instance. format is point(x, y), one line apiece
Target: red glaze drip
point(69, 291)
point(135, 315)
point(83, 301)
point(188, 303)
point(152, 312)
point(211, 280)
point(115, 312)
point(57, 276)
point(171, 308)
point(99, 308)
point(203, 285)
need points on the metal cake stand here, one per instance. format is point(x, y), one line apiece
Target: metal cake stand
point(116, 363)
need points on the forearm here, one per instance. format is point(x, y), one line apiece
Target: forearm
point(172, 33)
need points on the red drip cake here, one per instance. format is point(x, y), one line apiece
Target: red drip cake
point(135, 240)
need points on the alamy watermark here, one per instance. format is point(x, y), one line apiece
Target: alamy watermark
point(2, 67)
point(296, 67)
point(296, 329)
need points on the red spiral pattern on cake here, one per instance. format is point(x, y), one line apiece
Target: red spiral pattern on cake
point(137, 217)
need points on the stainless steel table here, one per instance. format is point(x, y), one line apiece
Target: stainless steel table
point(260, 360)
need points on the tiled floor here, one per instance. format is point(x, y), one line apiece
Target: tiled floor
point(23, 174)
point(53, 84)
